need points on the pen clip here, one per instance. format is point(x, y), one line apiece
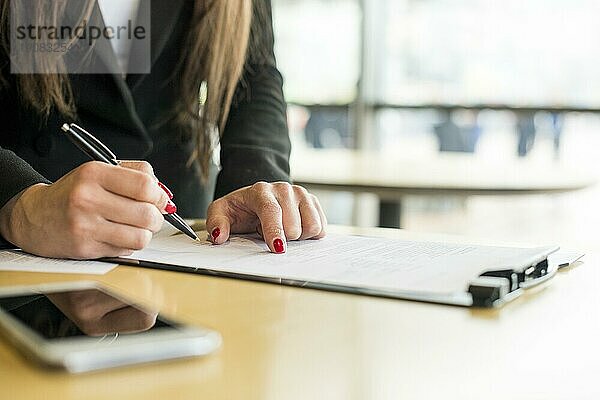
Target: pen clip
point(93, 141)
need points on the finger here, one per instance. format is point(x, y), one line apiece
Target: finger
point(142, 166)
point(91, 305)
point(135, 185)
point(127, 320)
point(292, 221)
point(130, 212)
point(323, 217)
point(218, 223)
point(311, 220)
point(114, 251)
point(95, 249)
point(146, 167)
point(266, 207)
point(123, 236)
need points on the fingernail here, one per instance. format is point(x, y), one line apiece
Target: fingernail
point(171, 208)
point(215, 234)
point(278, 246)
point(166, 190)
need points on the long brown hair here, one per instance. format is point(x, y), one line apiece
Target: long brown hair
point(216, 49)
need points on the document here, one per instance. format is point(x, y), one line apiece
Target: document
point(357, 261)
point(15, 260)
point(564, 258)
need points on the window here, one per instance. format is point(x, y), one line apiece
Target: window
point(412, 78)
point(352, 66)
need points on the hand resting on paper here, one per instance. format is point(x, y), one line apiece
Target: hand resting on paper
point(277, 211)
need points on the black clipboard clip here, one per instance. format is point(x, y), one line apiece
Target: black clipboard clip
point(494, 288)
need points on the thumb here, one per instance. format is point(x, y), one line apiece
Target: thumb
point(218, 224)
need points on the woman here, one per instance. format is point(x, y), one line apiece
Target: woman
point(95, 210)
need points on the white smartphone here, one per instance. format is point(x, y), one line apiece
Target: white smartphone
point(82, 326)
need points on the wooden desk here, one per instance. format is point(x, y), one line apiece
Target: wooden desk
point(391, 178)
point(290, 343)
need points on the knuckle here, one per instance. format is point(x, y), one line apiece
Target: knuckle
point(79, 196)
point(210, 211)
point(270, 207)
point(272, 231)
point(300, 191)
point(146, 187)
point(146, 167)
point(219, 202)
point(90, 170)
point(147, 217)
point(141, 239)
point(282, 186)
point(284, 190)
point(312, 229)
point(217, 210)
point(222, 205)
point(213, 206)
point(157, 222)
point(260, 187)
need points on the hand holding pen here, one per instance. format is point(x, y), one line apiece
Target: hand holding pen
point(96, 210)
point(97, 151)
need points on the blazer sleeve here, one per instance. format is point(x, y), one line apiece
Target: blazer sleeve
point(15, 176)
point(255, 144)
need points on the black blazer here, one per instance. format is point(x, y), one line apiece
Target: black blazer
point(123, 114)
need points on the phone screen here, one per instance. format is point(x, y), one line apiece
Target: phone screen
point(81, 313)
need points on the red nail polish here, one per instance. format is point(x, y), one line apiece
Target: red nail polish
point(171, 208)
point(215, 234)
point(166, 190)
point(278, 246)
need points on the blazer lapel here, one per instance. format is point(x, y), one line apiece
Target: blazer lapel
point(101, 59)
point(101, 49)
point(163, 17)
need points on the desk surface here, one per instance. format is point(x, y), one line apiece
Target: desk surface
point(447, 173)
point(290, 343)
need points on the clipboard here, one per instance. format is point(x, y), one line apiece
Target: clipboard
point(490, 289)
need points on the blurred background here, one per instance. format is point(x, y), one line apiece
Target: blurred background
point(471, 117)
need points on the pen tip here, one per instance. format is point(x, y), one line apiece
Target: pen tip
point(65, 127)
